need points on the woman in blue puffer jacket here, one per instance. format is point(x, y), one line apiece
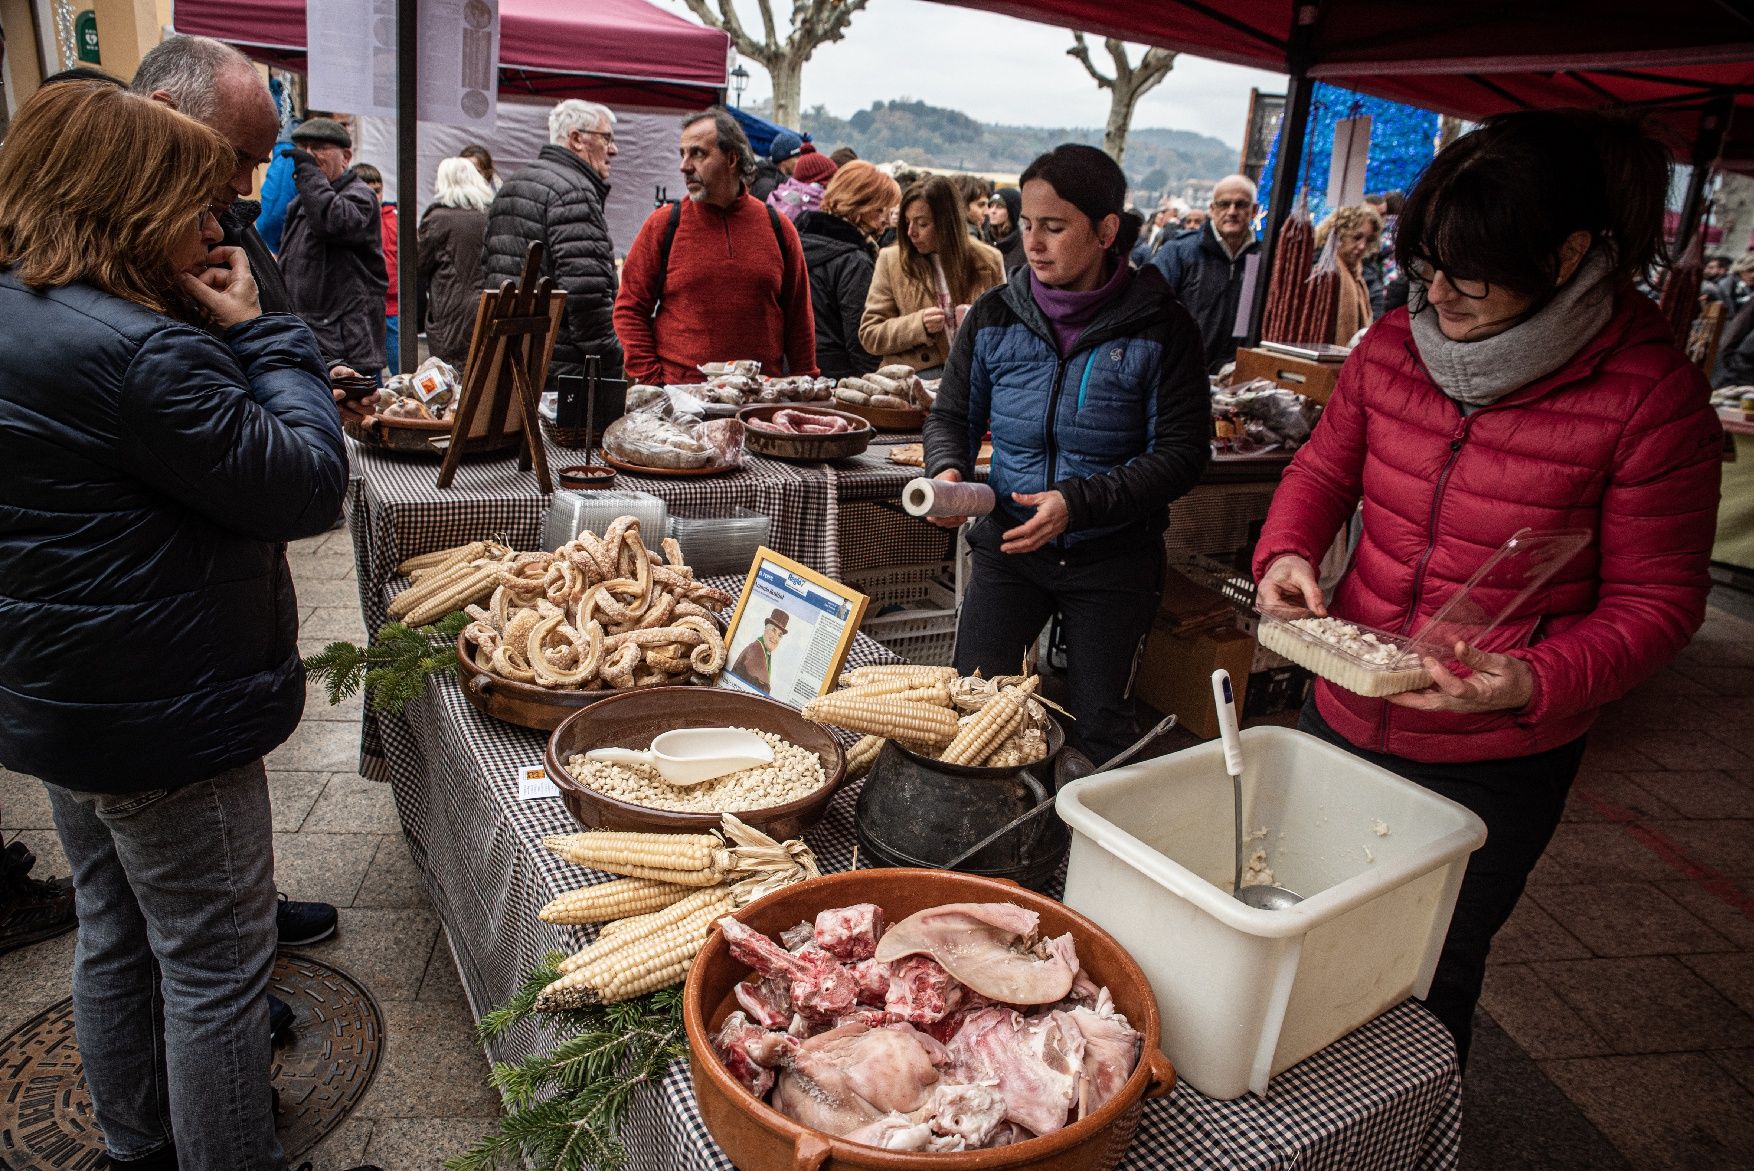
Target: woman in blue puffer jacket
point(1090, 376)
point(162, 438)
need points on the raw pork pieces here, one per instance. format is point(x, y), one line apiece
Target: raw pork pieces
point(955, 1029)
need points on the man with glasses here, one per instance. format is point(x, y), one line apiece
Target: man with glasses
point(558, 200)
point(1206, 268)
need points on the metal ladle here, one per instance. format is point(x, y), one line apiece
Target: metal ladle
point(1262, 896)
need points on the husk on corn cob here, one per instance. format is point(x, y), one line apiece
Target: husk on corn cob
point(990, 726)
point(684, 859)
point(911, 723)
point(620, 899)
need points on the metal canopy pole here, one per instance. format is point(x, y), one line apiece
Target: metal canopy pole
point(1713, 121)
point(407, 181)
point(1292, 128)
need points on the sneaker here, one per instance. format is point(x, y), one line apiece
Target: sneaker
point(280, 1020)
point(31, 909)
point(303, 923)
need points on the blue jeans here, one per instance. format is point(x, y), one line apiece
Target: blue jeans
point(392, 342)
point(176, 899)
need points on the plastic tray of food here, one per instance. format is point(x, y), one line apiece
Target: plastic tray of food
point(1359, 658)
point(1374, 662)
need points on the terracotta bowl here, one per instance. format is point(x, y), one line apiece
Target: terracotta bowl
point(541, 709)
point(807, 448)
point(755, 1135)
point(629, 719)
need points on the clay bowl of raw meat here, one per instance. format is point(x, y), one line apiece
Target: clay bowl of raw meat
point(630, 719)
point(755, 1135)
point(764, 433)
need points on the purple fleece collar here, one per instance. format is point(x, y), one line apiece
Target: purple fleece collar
point(1069, 312)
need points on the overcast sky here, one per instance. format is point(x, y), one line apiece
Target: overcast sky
point(999, 69)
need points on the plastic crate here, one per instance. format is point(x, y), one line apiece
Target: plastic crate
point(913, 610)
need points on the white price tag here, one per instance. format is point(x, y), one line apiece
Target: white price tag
point(533, 784)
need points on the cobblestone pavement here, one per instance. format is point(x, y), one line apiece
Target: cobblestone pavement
point(1616, 1030)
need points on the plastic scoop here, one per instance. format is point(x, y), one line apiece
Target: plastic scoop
point(1262, 896)
point(691, 756)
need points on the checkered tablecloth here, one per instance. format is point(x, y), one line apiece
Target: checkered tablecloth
point(1387, 1096)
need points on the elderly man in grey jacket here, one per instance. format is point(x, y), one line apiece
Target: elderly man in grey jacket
point(332, 250)
point(558, 200)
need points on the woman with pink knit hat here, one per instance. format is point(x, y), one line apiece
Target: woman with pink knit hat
point(802, 192)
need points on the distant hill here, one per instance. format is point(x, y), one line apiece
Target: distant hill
point(932, 136)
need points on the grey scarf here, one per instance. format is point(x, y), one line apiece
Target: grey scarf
point(1479, 373)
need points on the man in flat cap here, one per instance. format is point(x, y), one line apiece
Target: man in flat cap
point(331, 251)
point(755, 665)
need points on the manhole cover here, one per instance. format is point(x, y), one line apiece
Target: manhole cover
point(321, 1073)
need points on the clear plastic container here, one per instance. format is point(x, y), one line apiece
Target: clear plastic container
point(719, 540)
point(573, 512)
point(1518, 568)
point(1247, 993)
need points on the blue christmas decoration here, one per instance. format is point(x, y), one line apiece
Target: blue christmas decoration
point(1402, 140)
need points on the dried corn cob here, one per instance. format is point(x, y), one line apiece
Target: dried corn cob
point(912, 723)
point(612, 900)
point(899, 687)
point(427, 587)
point(442, 558)
point(859, 676)
point(989, 726)
point(629, 965)
point(642, 926)
point(686, 859)
point(861, 756)
point(476, 587)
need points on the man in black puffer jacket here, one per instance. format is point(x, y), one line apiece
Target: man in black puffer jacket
point(558, 200)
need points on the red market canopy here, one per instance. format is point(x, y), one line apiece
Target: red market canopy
point(1468, 59)
point(625, 52)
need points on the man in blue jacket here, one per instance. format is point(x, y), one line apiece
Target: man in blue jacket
point(1206, 268)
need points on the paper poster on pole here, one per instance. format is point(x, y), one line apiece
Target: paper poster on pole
point(459, 62)
point(350, 72)
point(1351, 156)
point(458, 67)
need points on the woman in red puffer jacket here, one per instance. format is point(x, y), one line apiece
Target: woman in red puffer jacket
point(1531, 387)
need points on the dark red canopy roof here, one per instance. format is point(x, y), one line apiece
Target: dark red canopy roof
point(1469, 59)
point(622, 51)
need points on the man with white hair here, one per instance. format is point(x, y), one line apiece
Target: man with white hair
point(1206, 267)
point(558, 200)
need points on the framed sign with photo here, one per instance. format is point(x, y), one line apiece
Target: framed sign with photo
point(790, 631)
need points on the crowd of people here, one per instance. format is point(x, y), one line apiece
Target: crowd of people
point(189, 430)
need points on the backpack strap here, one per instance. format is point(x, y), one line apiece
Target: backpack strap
point(779, 237)
point(664, 242)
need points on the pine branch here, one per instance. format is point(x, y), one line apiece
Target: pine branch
point(394, 667)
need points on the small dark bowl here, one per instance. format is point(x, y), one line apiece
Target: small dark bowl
point(805, 448)
point(585, 476)
point(630, 719)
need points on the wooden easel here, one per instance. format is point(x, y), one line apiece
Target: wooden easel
point(507, 363)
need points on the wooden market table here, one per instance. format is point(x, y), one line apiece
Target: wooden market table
point(1387, 1096)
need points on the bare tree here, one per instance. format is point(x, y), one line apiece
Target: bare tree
point(814, 22)
point(1126, 87)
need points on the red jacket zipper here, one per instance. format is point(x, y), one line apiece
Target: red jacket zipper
point(1455, 451)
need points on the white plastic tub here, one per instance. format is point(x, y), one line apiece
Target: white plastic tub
point(1247, 993)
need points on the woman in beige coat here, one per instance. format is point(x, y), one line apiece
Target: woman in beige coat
point(908, 318)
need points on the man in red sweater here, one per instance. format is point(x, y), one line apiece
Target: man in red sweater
point(733, 285)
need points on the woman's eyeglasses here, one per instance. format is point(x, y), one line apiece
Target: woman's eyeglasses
point(1425, 272)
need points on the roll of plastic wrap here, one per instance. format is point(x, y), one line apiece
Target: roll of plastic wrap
point(924, 497)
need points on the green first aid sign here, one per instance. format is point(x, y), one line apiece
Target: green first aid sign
point(85, 37)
